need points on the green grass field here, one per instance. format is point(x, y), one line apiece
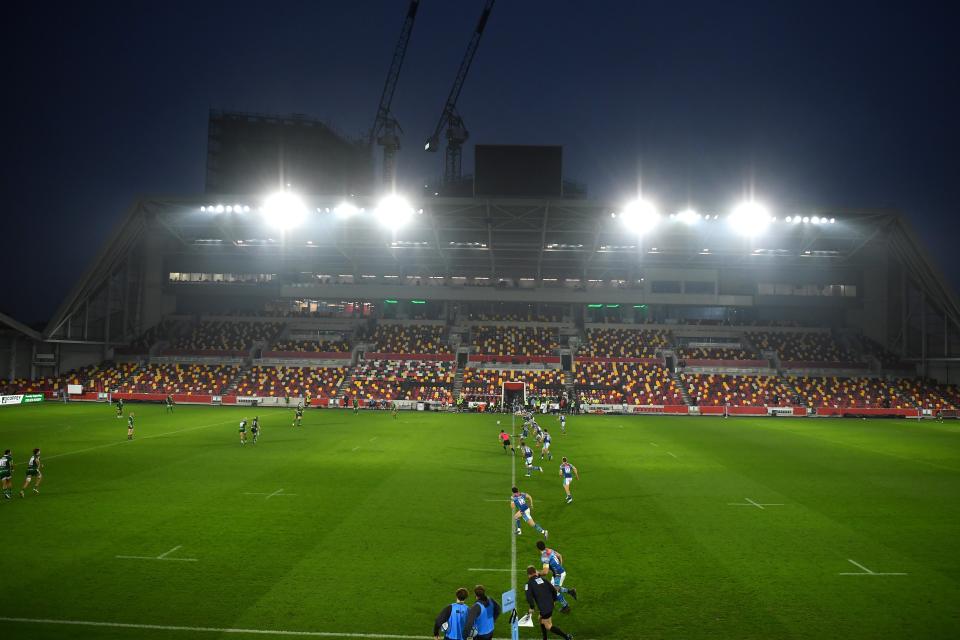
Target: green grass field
point(379, 521)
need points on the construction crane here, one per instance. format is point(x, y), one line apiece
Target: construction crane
point(457, 132)
point(386, 130)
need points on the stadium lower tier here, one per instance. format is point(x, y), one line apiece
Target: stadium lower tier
point(592, 383)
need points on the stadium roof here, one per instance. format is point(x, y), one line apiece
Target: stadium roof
point(515, 238)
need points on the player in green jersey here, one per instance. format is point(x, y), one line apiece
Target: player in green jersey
point(33, 471)
point(6, 474)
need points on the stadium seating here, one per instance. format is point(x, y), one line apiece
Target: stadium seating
point(737, 391)
point(409, 339)
point(888, 360)
point(805, 347)
point(846, 393)
point(312, 346)
point(402, 380)
point(615, 383)
point(716, 353)
point(923, 394)
point(483, 384)
point(225, 336)
point(290, 382)
point(514, 341)
point(530, 316)
point(155, 333)
point(624, 343)
point(180, 378)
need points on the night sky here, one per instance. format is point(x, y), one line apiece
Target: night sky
point(816, 104)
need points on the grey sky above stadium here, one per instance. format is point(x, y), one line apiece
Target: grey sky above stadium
point(815, 104)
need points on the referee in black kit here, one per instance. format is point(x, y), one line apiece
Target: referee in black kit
point(540, 595)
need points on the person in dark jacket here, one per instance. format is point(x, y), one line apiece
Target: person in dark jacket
point(483, 614)
point(540, 596)
point(453, 619)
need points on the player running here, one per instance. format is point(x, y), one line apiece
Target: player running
point(130, 427)
point(568, 472)
point(520, 504)
point(552, 563)
point(545, 451)
point(33, 471)
point(6, 474)
point(298, 420)
point(255, 428)
point(169, 403)
point(563, 424)
point(527, 454)
point(505, 440)
point(243, 431)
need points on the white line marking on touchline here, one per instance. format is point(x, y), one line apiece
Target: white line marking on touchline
point(278, 492)
point(751, 503)
point(162, 556)
point(161, 627)
point(355, 448)
point(670, 453)
point(868, 572)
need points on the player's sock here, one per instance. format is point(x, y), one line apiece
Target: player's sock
point(559, 631)
point(538, 528)
point(562, 601)
point(543, 629)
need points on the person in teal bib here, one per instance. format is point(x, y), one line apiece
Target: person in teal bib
point(483, 614)
point(452, 620)
point(6, 473)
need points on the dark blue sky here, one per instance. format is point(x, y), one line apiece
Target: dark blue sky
point(819, 104)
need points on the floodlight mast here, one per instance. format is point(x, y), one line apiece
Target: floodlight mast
point(457, 132)
point(386, 130)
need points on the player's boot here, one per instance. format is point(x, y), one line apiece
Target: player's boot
point(569, 499)
point(573, 593)
point(566, 609)
point(545, 534)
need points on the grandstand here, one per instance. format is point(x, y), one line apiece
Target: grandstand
point(829, 313)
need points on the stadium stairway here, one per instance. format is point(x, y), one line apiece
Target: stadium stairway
point(457, 382)
point(683, 388)
point(568, 383)
point(346, 384)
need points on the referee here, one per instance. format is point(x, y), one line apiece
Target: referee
point(540, 595)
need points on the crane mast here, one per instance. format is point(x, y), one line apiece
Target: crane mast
point(456, 130)
point(386, 130)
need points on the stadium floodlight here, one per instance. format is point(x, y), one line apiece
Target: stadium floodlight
point(393, 211)
point(749, 218)
point(640, 216)
point(284, 210)
point(833, 220)
point(688, 217)
point(789, 219)
point(806, 219)
point(796, 220)
point(815, 219)
point(345, 210)
point(219, 208)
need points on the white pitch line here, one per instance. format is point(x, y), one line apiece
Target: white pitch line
point(118, 442)
point(655, 444)
point(496, 500)
point(759, 506)
point(355, 448)
point(161, 627)
point(164, 555)
point(670, 453)
point(868, 571)
point(513, 536)
point(373, 438)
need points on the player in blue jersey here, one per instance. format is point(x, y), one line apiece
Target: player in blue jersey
point(552, 563)
point(537, 431)
point(563, 424)
point(545, 451)
point(453, 619)
point(521, 503)
point(527, 454)
point(568, 472)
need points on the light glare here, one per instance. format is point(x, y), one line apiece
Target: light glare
point(393, 211)
point(749, 218)
point(640, 216)
point(688, 217)
point(284, 210)
point(345, 210)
